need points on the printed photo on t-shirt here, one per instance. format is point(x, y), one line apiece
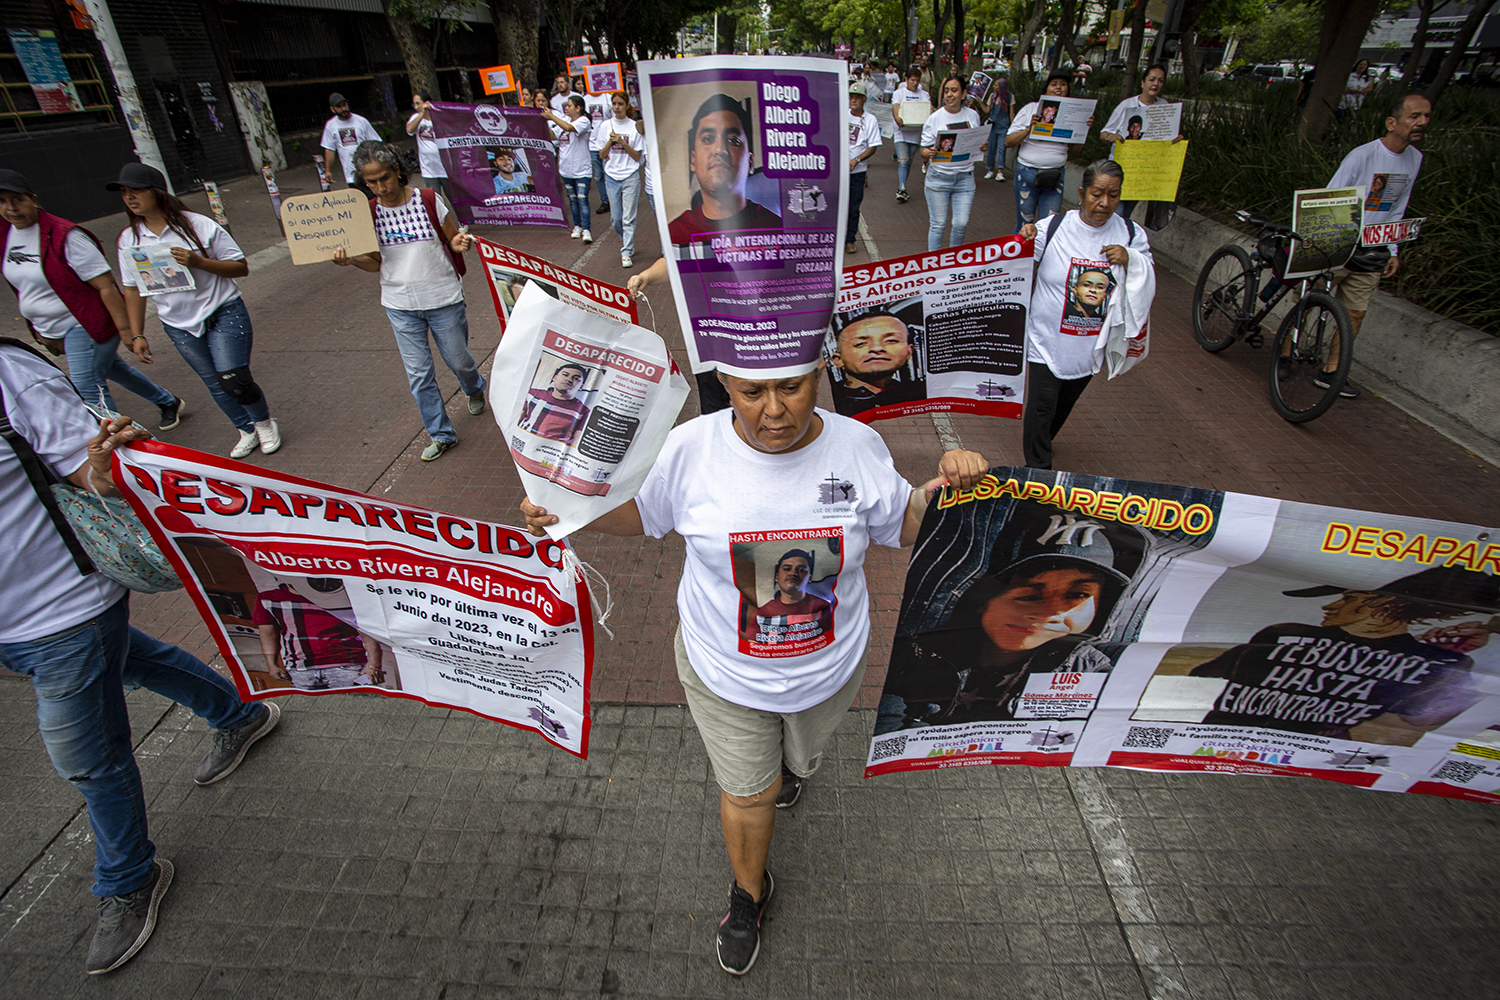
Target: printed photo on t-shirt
point(297, 632)
point(1384, 191)
point(425, 130)
point(787, 582)
point(1086, 297)
point(348, 137)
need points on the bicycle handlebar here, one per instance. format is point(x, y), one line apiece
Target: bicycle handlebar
point(1266, 225)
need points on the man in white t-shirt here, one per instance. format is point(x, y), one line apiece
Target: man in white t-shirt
point(562, 89)
point(864, 139)
point(428, 154)
point(67, 628)
point(342, 134)
point(773, 496)
point(1385, 169)
point(420, 263)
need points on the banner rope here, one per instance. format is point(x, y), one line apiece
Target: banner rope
point(580, 570)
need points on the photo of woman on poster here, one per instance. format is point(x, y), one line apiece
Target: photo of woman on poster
point(1053, 581)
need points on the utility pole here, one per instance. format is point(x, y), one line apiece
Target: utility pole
point(130, 99)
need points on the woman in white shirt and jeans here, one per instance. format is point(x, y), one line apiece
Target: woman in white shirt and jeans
point(621, 146)
point(572, 129)
point(948, 185)
point(208, 323)
point(1040, 166)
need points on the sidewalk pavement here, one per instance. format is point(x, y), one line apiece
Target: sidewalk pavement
point(375, 847)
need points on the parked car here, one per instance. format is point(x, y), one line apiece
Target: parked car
point(1272, 73)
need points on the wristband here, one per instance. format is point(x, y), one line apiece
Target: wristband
point(138, 336)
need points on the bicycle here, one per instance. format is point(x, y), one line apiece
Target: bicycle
point(1316, 327)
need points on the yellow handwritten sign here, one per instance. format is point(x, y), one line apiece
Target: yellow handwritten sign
point(316, 224)
point(1152, 169)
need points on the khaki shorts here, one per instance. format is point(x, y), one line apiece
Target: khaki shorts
point(746, 746)
point(1355, 290)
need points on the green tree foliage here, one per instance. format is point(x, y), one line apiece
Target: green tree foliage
point(1277, 32)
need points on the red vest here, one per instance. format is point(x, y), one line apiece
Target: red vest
point(81, 298)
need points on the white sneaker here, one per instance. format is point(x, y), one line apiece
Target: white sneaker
point(269, 434)
point(999, 175)
point(247, 443)
point(626, 260)
point(588, 237)
point(924, 168)
point(577, 232)
point(990, 175)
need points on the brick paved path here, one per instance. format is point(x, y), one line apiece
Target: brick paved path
point(379, 848)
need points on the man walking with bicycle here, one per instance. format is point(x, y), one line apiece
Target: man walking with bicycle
point(1386, 169)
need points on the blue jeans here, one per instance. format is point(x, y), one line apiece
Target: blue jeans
point(905, 151)
point(1032, 205)
point(224, 347)
point(90, 363)
point(450, 331)
point(597, 162)
point(994, 157)
point(578, 199)
point(624, 197)
point(80, 675)
point(943, 189)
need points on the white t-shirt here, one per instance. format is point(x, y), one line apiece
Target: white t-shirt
point(618, 164)
point(560, 101)
point(41, 589)
point(1035, 152)
point(600, 108)
point(902, 95)
point(1396, 174)
point(189, 308)
point(344, 137)
point(864, 133)
point(1071, 290)
point(415, 272)
point(943, 120)
point(573, 148)
point(1355, 82)
point(741, 511)
point(35, 299)
point(428, 155)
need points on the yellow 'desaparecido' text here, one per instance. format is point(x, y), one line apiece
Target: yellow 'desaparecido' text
point(1128, 508)
point(1392, 545)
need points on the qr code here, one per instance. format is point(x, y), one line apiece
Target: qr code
point(886, 749)
point(1146, 736)
point(517, 443)
point(1459, 772)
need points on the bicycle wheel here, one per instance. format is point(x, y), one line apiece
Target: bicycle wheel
point(1223, 297)
point(1315, 332)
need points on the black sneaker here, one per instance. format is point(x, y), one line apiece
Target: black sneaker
point(791, 788)
point(739, 931)
point(126, 922)
point(230, 746)
point(603, 208)
point(172, 414)
point(1322, 381)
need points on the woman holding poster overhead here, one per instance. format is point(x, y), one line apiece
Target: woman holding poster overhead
point(1080, 258)
point(1040, 164)
point(949, 185)
point(621, 147)
point(773, 602)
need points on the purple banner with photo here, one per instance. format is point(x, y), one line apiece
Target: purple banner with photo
point(749, 166)
point(502, 165)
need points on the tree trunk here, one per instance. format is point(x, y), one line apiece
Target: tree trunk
point(940, 15)
point(1064, 19)
point(421, 71)
point(1187, 25)
point(1418, 44)
point(908, 9)
point(1459, 50)
point(516, 25)
point(1028, 35)
point(1345, 25)
point(1129, 85)
point(729, 27)
point(958, 36)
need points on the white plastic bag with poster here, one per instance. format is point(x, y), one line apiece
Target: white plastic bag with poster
point(585, 403)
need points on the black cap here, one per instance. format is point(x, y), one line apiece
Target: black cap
point(1058, 74)
point(11, 180)
point(138, 175)
point(1442, 586)
point(1043, 540)
point(336, 98)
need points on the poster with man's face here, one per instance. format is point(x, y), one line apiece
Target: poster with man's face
point(501, 164)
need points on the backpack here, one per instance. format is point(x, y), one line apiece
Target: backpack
point(429, 202)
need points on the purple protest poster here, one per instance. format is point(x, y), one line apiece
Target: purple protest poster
point(502, 165)
point(751, 179)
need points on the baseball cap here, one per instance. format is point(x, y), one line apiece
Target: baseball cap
point(336, 98)
point(1039, 541)
point(137, 175)
point(11, 180)
point(1444, 586)
point(858, 87)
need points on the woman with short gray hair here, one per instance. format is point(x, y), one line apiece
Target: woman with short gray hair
point(1076, 255)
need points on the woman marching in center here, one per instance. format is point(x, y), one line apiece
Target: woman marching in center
point(948, 184)
point(1075, 255)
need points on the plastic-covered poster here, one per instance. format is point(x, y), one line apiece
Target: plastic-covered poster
point(585, 403)
point(929, 332)
point(751, 179)
point(157, 272)
point(502, 165)
point(1328, 223)
point(313, 589)
point(510, 271)
point(1059, 618)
